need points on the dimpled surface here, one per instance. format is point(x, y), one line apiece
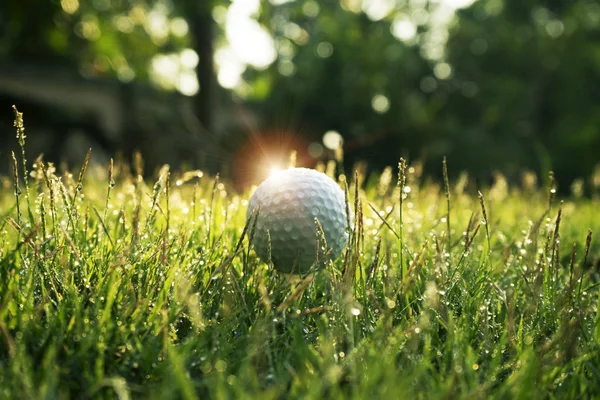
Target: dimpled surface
point(289, 201)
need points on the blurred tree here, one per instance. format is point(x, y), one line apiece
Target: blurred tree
point(146, 41)
point(364, 71)
point(199, 13)
point(31, 37)
point(120, 38)
point(491, 84)
point(495, 86)
point(525, 88)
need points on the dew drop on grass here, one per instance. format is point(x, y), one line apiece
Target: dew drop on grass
point(355, 311)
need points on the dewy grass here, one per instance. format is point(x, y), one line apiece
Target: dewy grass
point(150, 291)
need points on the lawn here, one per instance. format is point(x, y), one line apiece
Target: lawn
point(112, 286)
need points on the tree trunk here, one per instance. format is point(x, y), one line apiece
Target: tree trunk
point(202, 30)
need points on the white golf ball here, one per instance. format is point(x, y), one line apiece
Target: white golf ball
point(287, 204)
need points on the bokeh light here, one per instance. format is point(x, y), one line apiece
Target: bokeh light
point(311, 9)
point(176, 71)
point(403, 29)
point(378, 9)
point(157, 24)
point(380, 103)
point(70, 6)
point(179, 27)
point(324, 49)
point(333, 140)
point(428, 84)
point(315, 150)
point(248, 43)
point(442, 70)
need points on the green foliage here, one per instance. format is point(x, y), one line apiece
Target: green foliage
point(512, 87)
point(533, 107)
point(99, 38)
point(120, 289)
point(498, 85)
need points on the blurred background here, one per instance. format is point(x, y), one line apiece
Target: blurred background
point(234, 85)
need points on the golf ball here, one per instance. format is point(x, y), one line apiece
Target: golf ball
point(287, 204)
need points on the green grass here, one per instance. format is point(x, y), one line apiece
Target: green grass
point(111, 287)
